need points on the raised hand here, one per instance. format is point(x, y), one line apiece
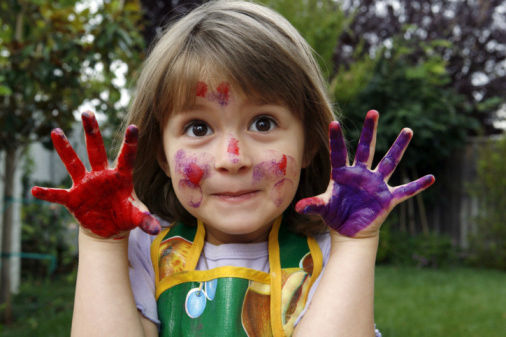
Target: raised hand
point(359, 199)
point(101, 200)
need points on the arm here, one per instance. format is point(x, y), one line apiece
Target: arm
point(102, 202)
point(354, 206)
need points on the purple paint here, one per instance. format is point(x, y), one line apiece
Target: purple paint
point(193, 169)
point(359, 196)
point(339, 153)
point(271, 168)
point(366, 137)
point(221, 95)
point(388, 164)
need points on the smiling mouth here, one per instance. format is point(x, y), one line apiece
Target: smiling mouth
point(236, 196)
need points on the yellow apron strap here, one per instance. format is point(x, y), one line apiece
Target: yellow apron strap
point(196, 249)
point(155, 251)
point(316, 255)
point(275, 271)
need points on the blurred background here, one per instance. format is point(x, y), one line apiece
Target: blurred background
point(436, 66)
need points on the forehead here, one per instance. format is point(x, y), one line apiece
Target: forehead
point(195, 75)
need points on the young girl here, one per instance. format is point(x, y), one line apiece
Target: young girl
point(227, 147)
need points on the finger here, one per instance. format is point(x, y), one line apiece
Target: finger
point(128, 151)
point(338, 153)
point(389, 162)
point(411, 189)
point(146, 221)
point(94, 142)
point(367, 142)
point(68, 156)
point(313, 205)
point(57, 195)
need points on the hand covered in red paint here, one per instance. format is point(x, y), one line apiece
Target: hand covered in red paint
point(101, 200)
point(358, 198)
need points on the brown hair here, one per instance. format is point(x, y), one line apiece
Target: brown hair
point(256, 50)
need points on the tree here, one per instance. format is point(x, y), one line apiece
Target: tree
point(53, 56)
point(474, 57)
point(159, 13)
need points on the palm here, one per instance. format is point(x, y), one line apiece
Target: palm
point(359, 199)
point(100, 199)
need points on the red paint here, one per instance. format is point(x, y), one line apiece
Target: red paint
point(100, 199)
point(201, 89)
point(233, 146)
point(282, 165)
point(223, 93)
point(304, 205)
point(194, 173)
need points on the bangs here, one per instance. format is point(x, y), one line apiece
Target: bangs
point(247, 63)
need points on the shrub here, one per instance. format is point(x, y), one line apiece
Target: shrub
point(488, 240)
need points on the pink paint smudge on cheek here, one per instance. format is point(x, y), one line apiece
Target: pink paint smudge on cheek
point(194, 173)
point(191, 193)
point(192, 169)
point(282, 165)
point(281, 191)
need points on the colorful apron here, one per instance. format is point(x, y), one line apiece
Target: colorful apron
point(232, 301)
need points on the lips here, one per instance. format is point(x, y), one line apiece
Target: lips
point(236, 196)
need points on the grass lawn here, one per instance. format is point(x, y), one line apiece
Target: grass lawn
point(410, 302)
point(413, 302)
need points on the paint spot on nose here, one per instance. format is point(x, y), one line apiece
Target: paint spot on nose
point(194, 173)
point(233, 147)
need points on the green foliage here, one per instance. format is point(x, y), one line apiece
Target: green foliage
point(42, 308)
point(54, 55)
point(47, 229)
point(488, 242)
point(406, 93)
point(320, 22)
point(423, 250)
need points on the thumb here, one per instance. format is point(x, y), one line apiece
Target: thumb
point(313, 205)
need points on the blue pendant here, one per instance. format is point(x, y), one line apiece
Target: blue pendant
point(210, 289)
point(195, 302)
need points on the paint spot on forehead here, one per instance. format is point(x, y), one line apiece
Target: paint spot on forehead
point(201, 90)
point(223, 93)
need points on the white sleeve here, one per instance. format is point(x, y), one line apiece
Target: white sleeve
point(142, 276)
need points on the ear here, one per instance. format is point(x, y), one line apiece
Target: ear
point(162, 161)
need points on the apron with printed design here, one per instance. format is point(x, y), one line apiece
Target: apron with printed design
point(232, 301)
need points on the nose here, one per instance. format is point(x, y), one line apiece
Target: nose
point(232, 155)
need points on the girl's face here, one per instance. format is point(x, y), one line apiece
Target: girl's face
point(234, 162)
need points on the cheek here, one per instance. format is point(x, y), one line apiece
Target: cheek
point(280, 172)
point(276, 166)
point(190, 171)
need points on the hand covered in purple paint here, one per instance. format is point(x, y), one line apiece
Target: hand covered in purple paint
point(101, 200)
point(359, 199)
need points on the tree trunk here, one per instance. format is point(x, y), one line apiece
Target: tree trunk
point(8, 228)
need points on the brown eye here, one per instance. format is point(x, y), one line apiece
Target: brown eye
point(197, 129)
point(263, 124)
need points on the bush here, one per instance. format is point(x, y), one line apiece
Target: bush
point(488, 240)
point(422, 250)
point(47, 230)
